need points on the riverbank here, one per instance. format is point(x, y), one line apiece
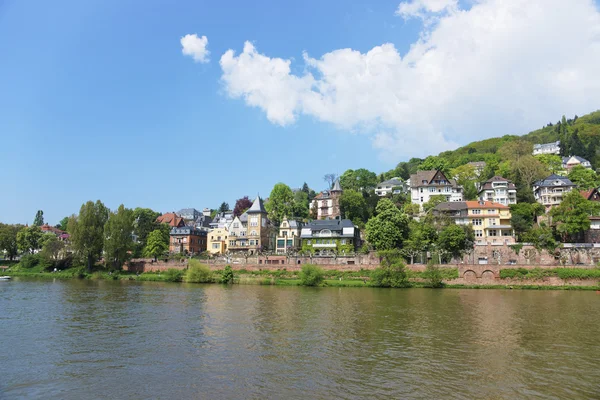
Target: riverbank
point(512, 279)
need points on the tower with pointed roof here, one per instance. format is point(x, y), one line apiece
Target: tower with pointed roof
point(257, 232)
point(327, 203)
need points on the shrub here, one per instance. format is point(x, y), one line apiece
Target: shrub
point(433, 276)
point(173, 275)
point(197, 272)
point(390, 274)
point(311, 275)
point(30, 260)
point(227, 276)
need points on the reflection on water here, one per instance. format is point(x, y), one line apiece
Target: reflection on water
point(77, 339)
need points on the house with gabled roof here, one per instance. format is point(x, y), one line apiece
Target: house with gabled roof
point(330, 236)
point(327, 203)
point(550, 191)
point(252, 231)
point(391, 186)
point(572, 161)
point(591, 195)
point(425, 184)
point(498, 190)
point(174, 220)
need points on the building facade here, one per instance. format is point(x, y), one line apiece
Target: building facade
point(187, 240)
point(425, 184)
point(217, 241)
point(326, 205)
point(550, 191)
point(330, 236)
point(546, 148)
point(252, 231)
point(389, 187)
point(569, 162)
point(498, 190)
point(288, 237)
point(491, 222)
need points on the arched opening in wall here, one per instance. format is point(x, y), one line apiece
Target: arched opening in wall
point(470, 275)
point(487, 275)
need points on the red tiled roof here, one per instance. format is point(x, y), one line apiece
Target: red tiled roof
point(172, 219)
point(486, 204)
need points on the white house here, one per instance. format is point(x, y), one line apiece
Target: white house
point(425, 184)
point(572, 161)
point(549, 192)
point(499, 190)
point(546, 148)
point(391, 186)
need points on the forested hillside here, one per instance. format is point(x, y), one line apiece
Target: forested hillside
point(579, 136)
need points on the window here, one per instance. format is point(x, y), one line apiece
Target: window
point(343, 241)
point(253, 233)
point(491, 211)
point(290, 243)
point(421, 190)
point(236, 225)
point(215, 246)
point(253, 221)
point(431, 190)
point(421, 199)
point(251, 242)
point(493, 232)
point(285, 233)
point(477, 221)
point(308, 242)
point(492, 221)
point(232, 242)
point(280, 243)
point(478, 233)
point(476, 212)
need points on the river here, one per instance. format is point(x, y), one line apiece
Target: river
point(75, 339)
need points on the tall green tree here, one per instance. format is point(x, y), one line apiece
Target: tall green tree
point(87, 232)
point(455, 240)
point(552, 162)
point(157, 244)
point(584, 178)
point(281, 203)
point(354, 207)
point(39, 218)
point(571, 217)
point(144, 223)
point(118, 240)
point(62, 225)
point(301, 205)
point(523, 216)
point(224, 207)
point(388, 229)
point(8, 240)
point(29, 239)
point(52, 248)
point(358, 180)
point(435, 162)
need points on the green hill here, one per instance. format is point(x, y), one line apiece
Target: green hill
point(579, 136)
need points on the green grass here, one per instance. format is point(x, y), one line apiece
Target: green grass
point(539, 273)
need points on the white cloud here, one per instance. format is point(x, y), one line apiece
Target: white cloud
point(500, 67)
point(421, 8)
point(196, 47)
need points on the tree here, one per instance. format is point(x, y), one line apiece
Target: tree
point(241, 205)
point(87, 231)
point(434, 201)
point(144, 223)
point(301, 204)
point(29, 239)
point(224, 207)
point(359, 180)
point(515, 150)
point(305, 188)
point(435, 162)
point(281, 203)
point(422, 235)
point(391, 273)
point(529, 170)
point(454, 240)
point(52, 248)
point(389, 228)
point(157, 244)
point(330, 180)
point(353, 207)
point(523, 216)
point(62, 225)
point(39, 218)
point(314, 211)
point(118, 242)
point(8, 240)
point(584, 178)
point(552, 162)
point(541, 238)
point(571, 216)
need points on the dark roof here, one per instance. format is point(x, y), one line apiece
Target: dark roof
point(549, 181)
point(417, 179)
point(580, 159)
point(451, 206)
point(393, 181)
point(331, 224)
point(336, 186)
point(187, 230)
point(497, 178)
point(257, 207)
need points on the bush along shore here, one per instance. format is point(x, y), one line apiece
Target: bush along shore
point(391, 274)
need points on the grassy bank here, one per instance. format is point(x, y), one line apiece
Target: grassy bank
point(361, 278)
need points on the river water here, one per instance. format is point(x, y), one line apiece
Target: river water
point(128, 340)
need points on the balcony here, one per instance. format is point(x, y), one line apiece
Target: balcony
point(324, 245)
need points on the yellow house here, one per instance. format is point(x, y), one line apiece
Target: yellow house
point(217, 241)
point(491, 222)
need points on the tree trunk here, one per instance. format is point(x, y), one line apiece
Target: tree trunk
point(90, 263)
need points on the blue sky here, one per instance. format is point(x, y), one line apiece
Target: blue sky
point(97, 101)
